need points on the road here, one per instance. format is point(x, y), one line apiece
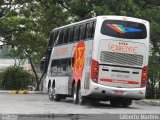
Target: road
point(39, 105)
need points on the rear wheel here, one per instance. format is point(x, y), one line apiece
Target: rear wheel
point(126, 103)
point(50, 93)
point(75, 95)
point(114, 103)
point(56, 97)
point(81, 99)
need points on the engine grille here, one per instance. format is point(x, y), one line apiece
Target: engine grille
point(121, 58)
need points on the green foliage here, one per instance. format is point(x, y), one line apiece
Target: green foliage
point(27, 24)
point(20, 27)
point(153, 77)
point(15, 78)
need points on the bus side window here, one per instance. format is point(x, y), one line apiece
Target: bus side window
point(71, 34)
point(86, 31)
point(82, 32)
point(66, 34)
point(60, 39)
point(69, 65)
point(55, 37)
point(59, 66)
point(53, 68)
point(64, 64)
point(90, 30)
point(76, 33)
point(93, 29)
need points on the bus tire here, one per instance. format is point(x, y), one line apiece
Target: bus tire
point(114, 103)
point(50, 93)
point(75, 95)
point(56, 97)
point(81, 99)
point(126, 103)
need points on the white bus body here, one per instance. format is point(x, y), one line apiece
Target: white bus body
point(110, 65)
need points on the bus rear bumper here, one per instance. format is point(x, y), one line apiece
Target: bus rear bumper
point(98, 90)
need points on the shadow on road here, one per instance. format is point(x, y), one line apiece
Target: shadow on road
point(101, 105)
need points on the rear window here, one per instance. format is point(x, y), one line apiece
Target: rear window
point(124, 29)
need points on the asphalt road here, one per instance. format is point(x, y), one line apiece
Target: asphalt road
point(38, 105)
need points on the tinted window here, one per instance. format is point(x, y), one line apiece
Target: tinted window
point(86, 31)
point(71, 35)
point(60, 37)
point(76, 33)
point(55, 37)
point(61, 67)
point(93, 28)
point(124, 29)
point(65, 39)
point(90, 30)
point(82, 32)
point(53, 69)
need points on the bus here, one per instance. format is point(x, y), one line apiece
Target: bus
point(104, 58)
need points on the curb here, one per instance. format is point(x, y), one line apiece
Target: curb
point(21, 92)
point(36, 92)
point(18, 92)
point(4, 91)
point(152, 102)
point(148, 102)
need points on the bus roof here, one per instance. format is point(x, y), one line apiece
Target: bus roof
point(75, 23)
point(103, 16)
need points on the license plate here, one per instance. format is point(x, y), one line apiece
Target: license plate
point(119, 76)
point(118, 92)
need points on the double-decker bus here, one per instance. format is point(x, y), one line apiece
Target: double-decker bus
point(102, 58)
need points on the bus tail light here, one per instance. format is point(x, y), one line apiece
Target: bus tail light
point(144, 76)
point(94, 71)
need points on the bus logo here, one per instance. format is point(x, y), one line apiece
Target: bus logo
point(79, 58)
point(122, 29)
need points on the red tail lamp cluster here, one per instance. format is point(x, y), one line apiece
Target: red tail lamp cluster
point(94, 71)
point(144, 76)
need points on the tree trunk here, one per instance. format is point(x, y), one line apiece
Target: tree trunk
point(35, 73)
point(159, 90)
point(40, 80)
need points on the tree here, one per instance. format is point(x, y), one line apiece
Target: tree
point(154, 69)
point(26, 24)
point(19, 28)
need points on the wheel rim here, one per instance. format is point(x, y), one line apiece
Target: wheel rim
point(54, 93)
point(74, 95)
point(79, 96)
point(50, 93)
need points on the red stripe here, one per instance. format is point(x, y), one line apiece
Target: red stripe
point(114, 28)
point(119, 81)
